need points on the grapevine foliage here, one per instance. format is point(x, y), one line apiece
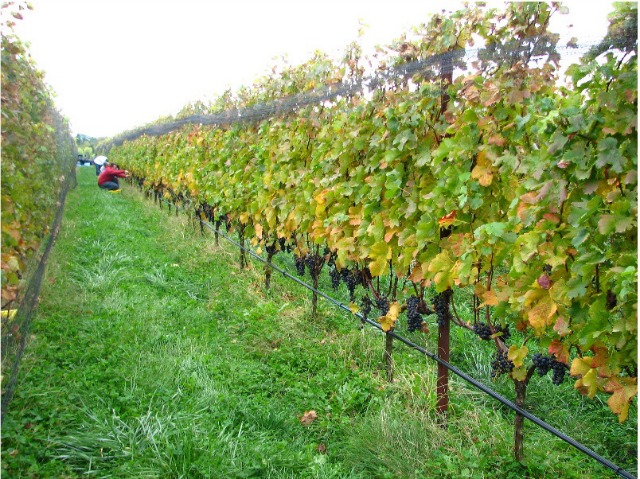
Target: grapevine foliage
point(500, 178)
point(38, 155)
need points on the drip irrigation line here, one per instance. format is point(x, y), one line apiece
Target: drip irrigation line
point(498, 397)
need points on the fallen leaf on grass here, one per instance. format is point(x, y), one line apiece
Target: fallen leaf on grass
point(308, 417)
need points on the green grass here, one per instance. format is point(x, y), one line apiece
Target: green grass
point(154, 355)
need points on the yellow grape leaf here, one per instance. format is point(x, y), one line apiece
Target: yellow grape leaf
point(519, 374)
point(588, 384)
point(516, 355)
point(483, 171)
point(388, 321)
point(490, 298)
point(353, 307)
point(380, 254)
point(442, 268)
point(542, 312)
point(623, 389)
point(258, 228)
point(580, 366)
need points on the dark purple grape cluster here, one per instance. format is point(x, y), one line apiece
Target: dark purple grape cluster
point(282, 243)
point(365, 305)
point(559, 370)
point(500, 365)
point(271, 249)
point(300, 266)
point(482, 330)
point(441, 305)
point(414, 317)
point(314, 264)
point(544, 364)
point(335, 278)
point(352, 278)
point(382, 303)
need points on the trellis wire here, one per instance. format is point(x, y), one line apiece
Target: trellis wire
point(539, 422)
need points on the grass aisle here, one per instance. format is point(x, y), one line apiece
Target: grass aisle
point(153, 355)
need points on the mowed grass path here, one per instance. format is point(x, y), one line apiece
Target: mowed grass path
point(153, 355)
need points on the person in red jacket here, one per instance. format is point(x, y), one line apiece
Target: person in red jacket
point(108, 179)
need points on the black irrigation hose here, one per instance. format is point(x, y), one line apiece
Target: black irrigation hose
point(547, 427)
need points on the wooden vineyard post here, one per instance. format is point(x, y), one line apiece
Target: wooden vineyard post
point(442, 384)
point(444, 323)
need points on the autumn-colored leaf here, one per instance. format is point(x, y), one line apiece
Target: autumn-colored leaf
point(489, 298)
point(388, 321)
point(447, 219)
point(542, 313)
point(561, 327)
point(517, 354)
point(559, 350)
point(308, 417)
point(624, 389)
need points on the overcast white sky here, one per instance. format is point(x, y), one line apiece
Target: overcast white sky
point(118, 64)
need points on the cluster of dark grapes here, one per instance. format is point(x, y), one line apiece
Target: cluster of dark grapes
point(365, 305)
point(352, 278)
point(500, 365)
point(544, 364)
point(482, 330)
point(441, 305)
point(382, 303)
point(414, 317)
point(283, 243)
point(300, 266)
point(559, 370)
point(271, 249)
point(335, 278)
point(314, 264)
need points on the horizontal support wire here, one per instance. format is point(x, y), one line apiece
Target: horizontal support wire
point(547, 427)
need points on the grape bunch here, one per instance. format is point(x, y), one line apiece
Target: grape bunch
point(299, 260)
point(335, 278)
point(271, 249)
point(441, 305)
point(413, 314)
point(482, 330)
point(365, 304)
point(352, 279)
point(314, 264)
point(382, 303)
point(542, 363)
point(501, 365)
point(283, 243)
point(559, 370)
